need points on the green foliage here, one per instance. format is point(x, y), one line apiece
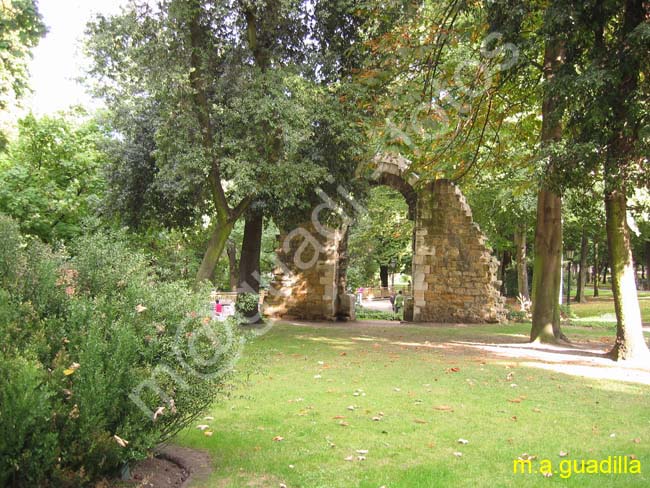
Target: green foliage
point(92, 346)
point(247, 304)
point(175, 255)
point(363, 313)
point(380, 235)
point(26, 440)
point(21, 27)
point(265, 122)
point(51, 178)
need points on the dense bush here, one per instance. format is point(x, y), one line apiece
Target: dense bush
point(363, 313)
point(247, 307)
point(92, 348)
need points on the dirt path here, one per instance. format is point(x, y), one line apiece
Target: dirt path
point(586, 357)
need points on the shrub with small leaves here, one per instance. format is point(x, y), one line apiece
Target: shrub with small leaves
point(247, 307)
point(99, 361)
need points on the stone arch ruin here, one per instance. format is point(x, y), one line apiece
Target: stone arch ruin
point(454, 273)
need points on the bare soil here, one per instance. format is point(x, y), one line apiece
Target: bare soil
point(171, 467)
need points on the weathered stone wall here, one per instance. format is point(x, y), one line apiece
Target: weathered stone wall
point(305, 281)
point(454, 274)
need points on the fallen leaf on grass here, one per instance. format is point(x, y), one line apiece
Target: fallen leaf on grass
point(376, 419)
point(278, 438)
point(452, 370)
point(208, 433)
point(563, 454)
point(515, 400)
point(202, 427)
point(463, 441)
point(527, 457)
point(536, 410)
point(159, 411)
point(362, 451)
point(458, 454)
point(420, 421)
point(343, 424)
point(140, 308)
point(338, 417)
point(637, 440)
point(120, 441)
point(444, 408)
point(349, 458)
point(73, 367)
point(547, 474)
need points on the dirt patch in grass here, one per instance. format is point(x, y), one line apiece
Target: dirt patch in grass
point(171, 467)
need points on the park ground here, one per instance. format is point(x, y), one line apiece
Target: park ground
point(379, 403)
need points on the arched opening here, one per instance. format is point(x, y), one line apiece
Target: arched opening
point(380, 251)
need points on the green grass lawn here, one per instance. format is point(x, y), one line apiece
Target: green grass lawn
point(318, 390)
point(600, 311)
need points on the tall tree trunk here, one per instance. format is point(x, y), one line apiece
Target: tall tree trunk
point(505, 262)
point(233, 268)
point(630, 343)
point(249, 261)
point(225, 216)
point(596, 269)
point(522, 266)
point(249, 258)
point(582, 272)
point(383, 275)
point(547, 267)
point(216, 245)
point(647, 265)
point(342, 275)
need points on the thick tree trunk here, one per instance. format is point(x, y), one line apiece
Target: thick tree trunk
point(522, 266)
point(216, 245)
point(630, 343)
point(249, 260)
point(547, 267)
point(233, 274)
point(383, 275)
point(596, 269)
point(582, 272)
